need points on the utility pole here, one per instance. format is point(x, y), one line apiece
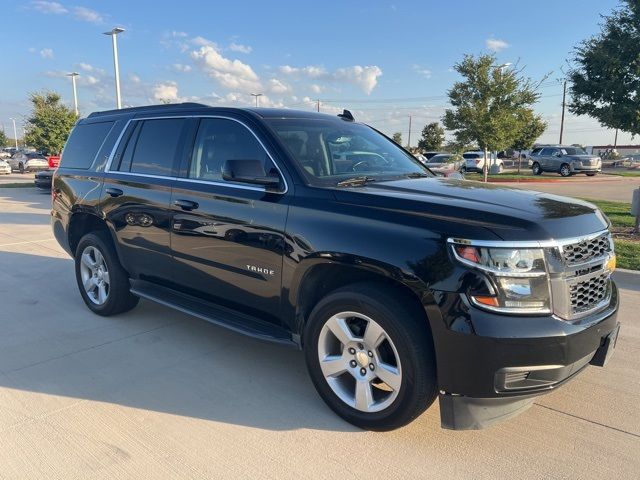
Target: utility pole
point(564, 96)
point(257, 95)
point(615, 141)
point(15, 132)
point(318, 105)
point(409, 139)
point(73, 76)
point(116, 67)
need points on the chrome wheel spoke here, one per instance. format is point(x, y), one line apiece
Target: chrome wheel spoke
point(105, 277)
point(87, 261)
point(102, 293)
point(364, 395)
point(333, 365)
point(338, 326)
point(89, 284)
point(373, 335)
point(389, 375)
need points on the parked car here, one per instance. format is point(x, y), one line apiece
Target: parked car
point(5, 153)
point(428, 155)
point(43, 179)
point(5, 168)
point(445, 161)
point(565, 160)
point(28, 162)
point(474, 161)
point(400, 287)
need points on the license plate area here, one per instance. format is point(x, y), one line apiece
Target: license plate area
point(605, 352)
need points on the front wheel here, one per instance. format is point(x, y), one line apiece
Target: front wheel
point(565, 170)
point(21, 167)
point(103, 283)
point(535, 169)
point(370, 355)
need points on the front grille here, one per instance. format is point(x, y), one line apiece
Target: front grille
point(587, 294)
point(585, 250)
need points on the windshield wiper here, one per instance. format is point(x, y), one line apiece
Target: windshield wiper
point(417, 175)
point(355, 181)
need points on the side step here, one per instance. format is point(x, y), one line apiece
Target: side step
point(211, 312)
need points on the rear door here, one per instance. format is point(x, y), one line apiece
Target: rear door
point(136, 193)
point(228, 237)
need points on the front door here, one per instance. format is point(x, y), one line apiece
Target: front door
point(227, 238)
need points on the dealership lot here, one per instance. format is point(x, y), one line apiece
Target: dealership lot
point(157, 394)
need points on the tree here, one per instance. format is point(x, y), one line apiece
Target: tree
point(605, 80)
point(532, 127)
point(50, 123)
point(3, 139)
point(397, 137)
point(489, 104)
point(432, 137)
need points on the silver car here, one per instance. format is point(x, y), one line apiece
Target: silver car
point(445, 161)
point(564, 160)
point(28, 162)
point(5, 168)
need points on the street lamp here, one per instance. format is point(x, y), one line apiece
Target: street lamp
point(256, 95)
point(73, 76)
point(116, 69)
point(15, 132)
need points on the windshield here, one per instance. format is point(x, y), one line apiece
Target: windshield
point(439, 159)
point(573, 151)
point(330, 151)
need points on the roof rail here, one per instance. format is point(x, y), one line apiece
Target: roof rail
point(167, 106)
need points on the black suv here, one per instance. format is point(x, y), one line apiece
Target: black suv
point(320, 233)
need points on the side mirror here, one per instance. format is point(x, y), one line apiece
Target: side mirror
point(248, 171)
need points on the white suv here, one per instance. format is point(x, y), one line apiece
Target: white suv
point(474, 161)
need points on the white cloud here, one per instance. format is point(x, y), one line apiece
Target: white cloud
point(365, 78)
point(31, 50)
point(203, 42)
point(236, 47)
point(178, 34)
point(496, 45)
point(166, 92)
point(48, 7)
point(277, 86)
point(315, 88)
point(179, 67)
point(231, 74)
point(87, 67)
point(46, 53)
point(425, 72)
point(87, 15)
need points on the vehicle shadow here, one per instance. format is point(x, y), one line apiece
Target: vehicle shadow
point(151, 358)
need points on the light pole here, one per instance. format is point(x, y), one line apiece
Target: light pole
point(116, 69)
point(73, 76)
point(15, 132)
point(257, 96)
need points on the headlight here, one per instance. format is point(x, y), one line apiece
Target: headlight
point(518, 278)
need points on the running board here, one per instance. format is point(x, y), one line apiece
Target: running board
point(225, 317)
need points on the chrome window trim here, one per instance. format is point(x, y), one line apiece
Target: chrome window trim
point(107, 168)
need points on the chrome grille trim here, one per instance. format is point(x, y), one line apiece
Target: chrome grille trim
point(586, 249)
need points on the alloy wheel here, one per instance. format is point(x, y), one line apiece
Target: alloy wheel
point(359, 361)
point(95, 275)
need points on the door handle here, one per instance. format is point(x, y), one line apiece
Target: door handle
point(186, 204)
point(114, 192)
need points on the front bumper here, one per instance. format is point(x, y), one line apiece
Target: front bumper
point(491, 366)
point(43, 180)
point(585, 168)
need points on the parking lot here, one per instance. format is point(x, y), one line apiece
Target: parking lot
point(157, 394)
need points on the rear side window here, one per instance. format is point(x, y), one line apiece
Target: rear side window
point(471, 155)
point(83, 144)
point(152, 147)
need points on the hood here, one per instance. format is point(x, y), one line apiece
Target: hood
point(509, 213)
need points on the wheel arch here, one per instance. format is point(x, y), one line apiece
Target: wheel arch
point(82, 222)
point(315, 278)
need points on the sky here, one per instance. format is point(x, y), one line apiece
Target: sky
point(385, 61)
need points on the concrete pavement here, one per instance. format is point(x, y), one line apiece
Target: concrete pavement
point(157, 394)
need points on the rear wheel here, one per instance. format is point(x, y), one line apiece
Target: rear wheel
point(370, 355)
point(565, 170)
point(592, 174)
point(21, 167)
point(103, 283)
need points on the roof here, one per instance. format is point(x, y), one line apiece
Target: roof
point(191, 106)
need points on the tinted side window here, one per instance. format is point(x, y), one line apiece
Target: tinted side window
point(83, 144)
point(546, 151)
point(219, 140)
point(153, 149)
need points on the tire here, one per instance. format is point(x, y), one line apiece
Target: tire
point(565, 170)
point(405, 354)
point(116, 297)
point(535, 168)
point(591, 174)
point(463, 169)
point(21, 167)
